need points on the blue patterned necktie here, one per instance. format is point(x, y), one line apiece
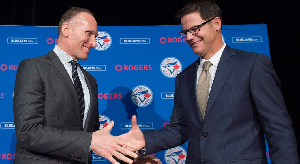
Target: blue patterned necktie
point(78, 86)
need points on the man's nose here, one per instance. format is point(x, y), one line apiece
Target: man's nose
point(189, 36)
point(93, 42)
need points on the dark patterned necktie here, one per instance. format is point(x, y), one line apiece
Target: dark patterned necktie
point(78, 86)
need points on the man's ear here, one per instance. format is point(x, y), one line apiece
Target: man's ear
point(65, 29)
point(217, 23)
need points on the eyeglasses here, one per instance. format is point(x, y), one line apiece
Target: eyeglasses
point(193, 30)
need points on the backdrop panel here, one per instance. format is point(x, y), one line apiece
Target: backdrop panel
point(135, 67)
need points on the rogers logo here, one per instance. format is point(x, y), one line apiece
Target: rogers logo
point(7, 156)
point(164, 40)
point(2, 95)
point(51, 41)
point(133, 67)
point(5, 67)
point(110, 95)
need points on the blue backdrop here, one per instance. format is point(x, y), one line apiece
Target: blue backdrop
point(135, 67)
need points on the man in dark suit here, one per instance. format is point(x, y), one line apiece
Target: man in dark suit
point(56, 123)
point(244, 106)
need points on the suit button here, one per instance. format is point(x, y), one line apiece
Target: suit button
point(204, 160)
point(204, 134)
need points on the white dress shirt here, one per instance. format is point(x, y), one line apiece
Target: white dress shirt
point(215, 59)
point(65, 59)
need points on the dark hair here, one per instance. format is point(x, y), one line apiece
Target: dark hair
point(71, 13)
point(207, 9)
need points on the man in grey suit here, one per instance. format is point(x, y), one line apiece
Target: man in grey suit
point(52, 124)
point(244, 104)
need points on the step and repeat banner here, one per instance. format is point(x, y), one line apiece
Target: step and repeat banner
point(135, 67)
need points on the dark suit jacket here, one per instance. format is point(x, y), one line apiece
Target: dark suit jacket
point(245, 103)
point(46, 112)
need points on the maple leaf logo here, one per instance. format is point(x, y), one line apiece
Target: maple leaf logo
point(181, 156)
point(147, 95)
point(176, 66)
point(104, 125)
point(106, 40)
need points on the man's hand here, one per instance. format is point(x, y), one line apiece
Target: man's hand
point(148, 159)
point(107, 146)
point(135, 135)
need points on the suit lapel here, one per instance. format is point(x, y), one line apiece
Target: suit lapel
point(227, 60)
point(60, 71)
point(91, 90)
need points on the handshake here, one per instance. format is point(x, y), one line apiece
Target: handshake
point(122, 147)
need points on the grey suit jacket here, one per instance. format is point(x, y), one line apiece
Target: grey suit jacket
point(46, 113)
point(245, 105)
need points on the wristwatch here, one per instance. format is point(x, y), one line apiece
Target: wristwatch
point(142, 152)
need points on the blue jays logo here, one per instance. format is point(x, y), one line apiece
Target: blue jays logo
point(175, 155)
point(170, 67)
point(103, 41)
point(141, 96)
point(104, 121)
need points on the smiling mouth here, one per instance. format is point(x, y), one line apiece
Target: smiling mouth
point(197, 42)
point(86, 48)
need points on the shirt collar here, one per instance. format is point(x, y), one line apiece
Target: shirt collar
point(215, 59)
point(62, 55)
